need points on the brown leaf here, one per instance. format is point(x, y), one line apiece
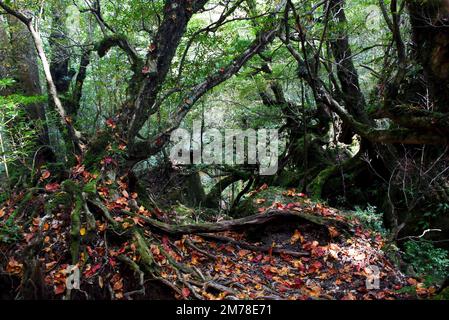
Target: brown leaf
point(333, 232)
point(14, 267)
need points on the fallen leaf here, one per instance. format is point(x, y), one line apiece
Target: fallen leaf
point(45, 175)
point(296, 236)
point(185, 292)
point(59, 288)
point(52, 187)
point(333, 232)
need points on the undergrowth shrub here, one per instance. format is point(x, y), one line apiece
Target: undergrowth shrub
point(369, 218)
point(429, 262)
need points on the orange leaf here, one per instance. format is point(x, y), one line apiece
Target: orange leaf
point(52, 187)
point(243, 253)
point(45, 175)
point(296, 236)
point(333, 232)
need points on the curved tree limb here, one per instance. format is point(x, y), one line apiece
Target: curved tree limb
point(238, 224)
point(142, 150)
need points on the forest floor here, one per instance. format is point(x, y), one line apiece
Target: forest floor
point(283, 260)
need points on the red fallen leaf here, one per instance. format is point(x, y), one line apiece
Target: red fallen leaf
point(286, 257)
point(151, 47)
point(52, 187)
point(159, 141)
point(185, 292)
point(243, 253)
point(165, 243)
point(112, 262)
point(293, 205)
point(267, 272)
point(108, 160)
point(146, 70)
point(297, 283)
point(282, 288)
point(79, 169)
point(90, 251)
point(319, 251)
point(45, 175)
point(59, 288)
point(316, 266)
point(93, 269)
point(257, 258)
point(278, 205)
point(122, 249)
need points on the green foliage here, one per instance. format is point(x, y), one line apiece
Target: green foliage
point(369, 218)
point(433, 212)
point(10, 234)
point(17, 133)
point(428, 261)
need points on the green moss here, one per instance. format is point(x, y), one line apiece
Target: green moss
point(145, 254)
point(75, 217)
point(97, 150)
point(316, 186)
point(443, 295)
point(71, 187)
point(59, 199)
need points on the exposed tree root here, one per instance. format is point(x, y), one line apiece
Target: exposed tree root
point(238, 224)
